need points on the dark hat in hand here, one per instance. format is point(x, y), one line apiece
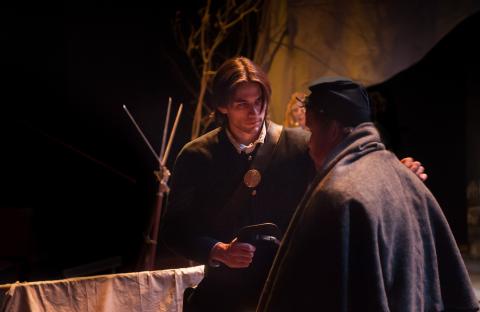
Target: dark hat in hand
point(259, 232)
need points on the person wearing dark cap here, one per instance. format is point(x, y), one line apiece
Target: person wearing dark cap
point(367, 235)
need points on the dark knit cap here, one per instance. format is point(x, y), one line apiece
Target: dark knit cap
point(340, 99)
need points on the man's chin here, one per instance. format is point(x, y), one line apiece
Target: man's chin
point(318, 160)
point(252, 126)
point(253, 129)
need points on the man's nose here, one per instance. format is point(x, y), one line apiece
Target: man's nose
point(254, 109)
point(310, 143)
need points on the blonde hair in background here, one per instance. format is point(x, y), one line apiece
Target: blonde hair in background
point(295, 113)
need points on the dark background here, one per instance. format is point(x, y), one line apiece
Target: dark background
point(75, 173)
point(76, 179)
point(431, 111)
point(77, 183)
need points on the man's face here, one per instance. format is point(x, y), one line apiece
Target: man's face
point(246, 110)
point(320, 142)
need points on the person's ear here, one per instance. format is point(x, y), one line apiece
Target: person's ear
point(222, 109)
point(334, 131)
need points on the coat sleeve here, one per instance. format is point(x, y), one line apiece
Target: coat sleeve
point(180, 229)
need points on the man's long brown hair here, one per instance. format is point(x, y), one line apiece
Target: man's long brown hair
point(231, 73)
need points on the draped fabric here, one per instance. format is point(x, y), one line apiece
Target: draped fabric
point(140, 291)
point(369, 41)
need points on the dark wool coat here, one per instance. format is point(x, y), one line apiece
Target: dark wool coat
point(368, 236)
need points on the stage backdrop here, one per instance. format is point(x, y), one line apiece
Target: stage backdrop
point(369, 41)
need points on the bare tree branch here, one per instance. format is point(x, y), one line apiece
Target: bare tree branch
point(203, 44)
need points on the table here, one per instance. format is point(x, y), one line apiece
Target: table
point(140, 291)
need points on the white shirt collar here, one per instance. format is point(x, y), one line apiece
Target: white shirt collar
point(250, 147)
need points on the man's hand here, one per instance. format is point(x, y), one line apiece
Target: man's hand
point(416, 167)
point(235, 255)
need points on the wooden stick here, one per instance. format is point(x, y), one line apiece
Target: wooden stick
point(165, 128)
point(170, 140)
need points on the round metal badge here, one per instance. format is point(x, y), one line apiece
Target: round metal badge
point(252, 178)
